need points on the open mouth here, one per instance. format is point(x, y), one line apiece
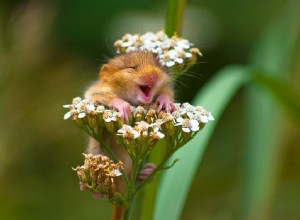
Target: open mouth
point(146, 90)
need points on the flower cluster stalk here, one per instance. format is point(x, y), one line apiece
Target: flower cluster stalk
point(174, 17)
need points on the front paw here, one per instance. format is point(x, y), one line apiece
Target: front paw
point(121, 106)
point(146, 172)
point(164, 102)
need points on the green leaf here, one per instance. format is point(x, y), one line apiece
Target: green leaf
point(264, 122)
point(276, 48)
point(283, 92)
point(176, 182)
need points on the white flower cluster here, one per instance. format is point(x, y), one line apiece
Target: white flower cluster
point(146, 122)
point(194, 116)
point(170, 51)
point(80, 108)
point(141, 129)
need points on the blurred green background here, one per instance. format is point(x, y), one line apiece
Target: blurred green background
point(51, 50)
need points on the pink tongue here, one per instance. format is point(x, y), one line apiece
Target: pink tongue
point(146, 90)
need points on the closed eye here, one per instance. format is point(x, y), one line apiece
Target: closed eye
point(134, 67)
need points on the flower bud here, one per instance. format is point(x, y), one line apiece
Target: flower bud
point(119, 122)
point(92, 121)
point(140, 114)
point(79, 122)
point(150, 116)
point(169, 128)
point(185, 135)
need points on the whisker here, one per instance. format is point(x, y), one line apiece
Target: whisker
point(198, 62)
point(191, 74)
point(108, 43)
point(179, 83)
point(194, 77)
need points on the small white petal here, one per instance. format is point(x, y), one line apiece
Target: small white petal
point(180, 120)
point(135, 134)
point(145, 133)
point(190, 114)
point(81, 115)
point(121, 131)
point(67, 106)
point(90, 107)
point(160, 135)
point(126, 44)
point(179, 60)
point(76, 100)
point(203, 118)
point(187, 130)
point(188, 55)
point(210, 117)
point(131, 49)
point(117, 172)
point(195, 128)
point(170, 63)
point(67, 115)
point(108, 119)
point(194, 123)
point(156, 129)
point(100, 108)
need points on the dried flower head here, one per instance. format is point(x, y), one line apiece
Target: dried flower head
point(98, 174)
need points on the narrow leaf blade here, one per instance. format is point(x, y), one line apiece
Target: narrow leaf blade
point(176, 182)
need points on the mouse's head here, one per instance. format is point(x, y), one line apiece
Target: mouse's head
point(136, 77)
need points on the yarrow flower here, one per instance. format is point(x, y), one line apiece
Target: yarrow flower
point(174, 53)
point(188, 125)
point(109, 116)
point(142, 127)
point(98, 174)
point(128, 132)
point(146, 121)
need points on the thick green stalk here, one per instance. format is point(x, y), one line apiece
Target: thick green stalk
point(149, 193)
point(174, 18)
point(131, 189)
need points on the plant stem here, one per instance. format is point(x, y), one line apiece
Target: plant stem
point(131, 188)
point(158, 168)
point(174, 18)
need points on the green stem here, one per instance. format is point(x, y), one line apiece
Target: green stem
point(174, 18)
point(150, 177)
point(149, 193)
point(160, 166)
point(126, 213)
point(132, 188)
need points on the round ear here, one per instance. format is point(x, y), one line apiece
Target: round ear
point(105, 70)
